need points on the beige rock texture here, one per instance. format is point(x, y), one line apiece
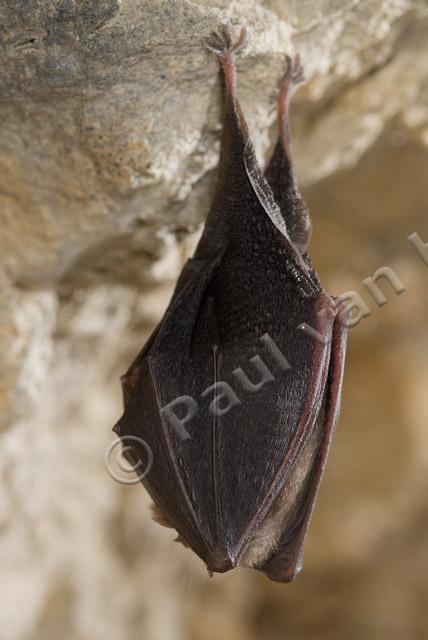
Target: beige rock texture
point(110, 119)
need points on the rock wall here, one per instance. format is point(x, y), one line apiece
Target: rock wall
point(110, 120)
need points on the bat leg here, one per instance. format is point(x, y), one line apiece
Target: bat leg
point(293, 76)
point(286, 562)
point(235, 129)
point(280, 170)
point(232, 186)
point(240, 186)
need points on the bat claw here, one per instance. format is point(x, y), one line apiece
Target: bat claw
point(223, 43)
point(294, 73)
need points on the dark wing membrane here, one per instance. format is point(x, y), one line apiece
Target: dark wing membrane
point(286, 562)
point(260, 439)
point(218, 484)
point(177, 362)
point(130, 378)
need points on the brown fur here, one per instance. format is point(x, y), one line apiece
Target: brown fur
point(268, 534)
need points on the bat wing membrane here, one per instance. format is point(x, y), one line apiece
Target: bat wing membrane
point(217, 485)
point(260, 440)
point(286, 562)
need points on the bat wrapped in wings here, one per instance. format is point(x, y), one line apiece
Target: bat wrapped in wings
point(237, 390)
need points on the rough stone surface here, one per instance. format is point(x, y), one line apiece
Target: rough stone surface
point(110, 117)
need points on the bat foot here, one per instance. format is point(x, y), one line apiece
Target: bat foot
point(225, 46)
point(223, 43)
point(294, 73)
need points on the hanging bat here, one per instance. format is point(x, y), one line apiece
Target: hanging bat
point(237, 391)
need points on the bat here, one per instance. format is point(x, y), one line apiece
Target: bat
point(237, 391)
